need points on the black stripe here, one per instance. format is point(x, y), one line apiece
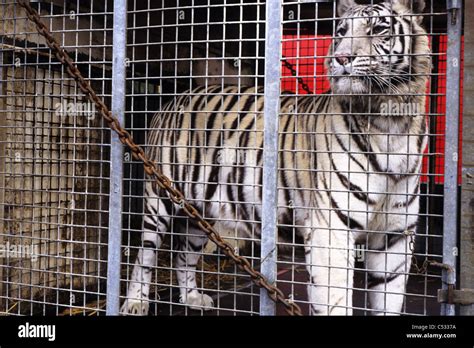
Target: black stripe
point(166, 203)
point(195, 159)
point(354, 189)
point(163, 221)
point(230, 192)
point(193, 246)
point(149, 244)
point(414, 42)
point(180, 257)
point(396, 236)
point(421, 139)
point(234, 99)
point(401, 38)
point(393, 237)
point(234, 126)
point(150, 208)
point(211, 118)
point(282, 173)
point(345, 219)
point(178, 133)
point(148, 226)
point(212, 182)
point(373, 281)
point(242, 168)
point(241, 114)
point(386, 51)
point(214, 173)
point(341, 144)
point(412, 198)
point(363, 145)
point(321, 215)
point(194, 154)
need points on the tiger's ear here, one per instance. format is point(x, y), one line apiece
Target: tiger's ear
point(344, 5)
point(415, 6)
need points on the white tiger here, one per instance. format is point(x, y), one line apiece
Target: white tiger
point(348, 155)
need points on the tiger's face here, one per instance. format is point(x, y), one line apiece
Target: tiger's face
point(377, 48)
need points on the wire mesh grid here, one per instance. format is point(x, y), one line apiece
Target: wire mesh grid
point(364, 266)
point(194, 99)
point(54, 169)
point(190, 44)
point(174, 48)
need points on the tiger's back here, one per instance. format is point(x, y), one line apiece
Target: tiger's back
point(211, 144)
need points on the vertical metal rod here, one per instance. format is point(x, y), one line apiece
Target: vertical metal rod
point(467, 221)
point(273, 33)
point(3, 156)
point(453, 74)
point(116, 158)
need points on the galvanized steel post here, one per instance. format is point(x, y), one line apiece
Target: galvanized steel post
point(116, 158)
point(467, 212)
point(453, 73)
point(273, 32)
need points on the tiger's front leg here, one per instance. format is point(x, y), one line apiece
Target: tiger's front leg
point(191, 246)
point(155, 223)
point(389, 255)
point(330, 263)
point(388, 266)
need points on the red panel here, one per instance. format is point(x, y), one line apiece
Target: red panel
point(306, 54)
point(440, 112)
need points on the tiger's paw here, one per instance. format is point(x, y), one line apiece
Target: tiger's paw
point(135, 307)
point(197, 301)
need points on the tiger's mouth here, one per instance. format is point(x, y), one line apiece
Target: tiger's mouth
point(349, 79)
point(356, 77)
point(350, 84)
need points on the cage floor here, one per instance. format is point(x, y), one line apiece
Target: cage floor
point(421, 298)
point(240, 297)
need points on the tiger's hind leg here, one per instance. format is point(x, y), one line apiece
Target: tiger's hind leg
point(155, 223)
point(191, 246)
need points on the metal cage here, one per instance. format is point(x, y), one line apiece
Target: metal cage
point(72, 197)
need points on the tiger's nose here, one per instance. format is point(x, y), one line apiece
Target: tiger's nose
point(343, 58)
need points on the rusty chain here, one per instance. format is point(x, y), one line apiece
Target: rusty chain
point(150, 168)
point(294, 73)
point(414, 261)
point(423, 269)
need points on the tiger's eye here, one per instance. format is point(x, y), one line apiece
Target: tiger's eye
point(376, 30)
point(341, 31)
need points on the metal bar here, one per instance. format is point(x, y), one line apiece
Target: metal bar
point(467, 213)
point(463, 297)
point(450, 220)
point(3, 137)
point(116, 158)
point(273, 34)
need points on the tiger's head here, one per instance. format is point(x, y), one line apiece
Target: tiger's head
point(379, 49)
